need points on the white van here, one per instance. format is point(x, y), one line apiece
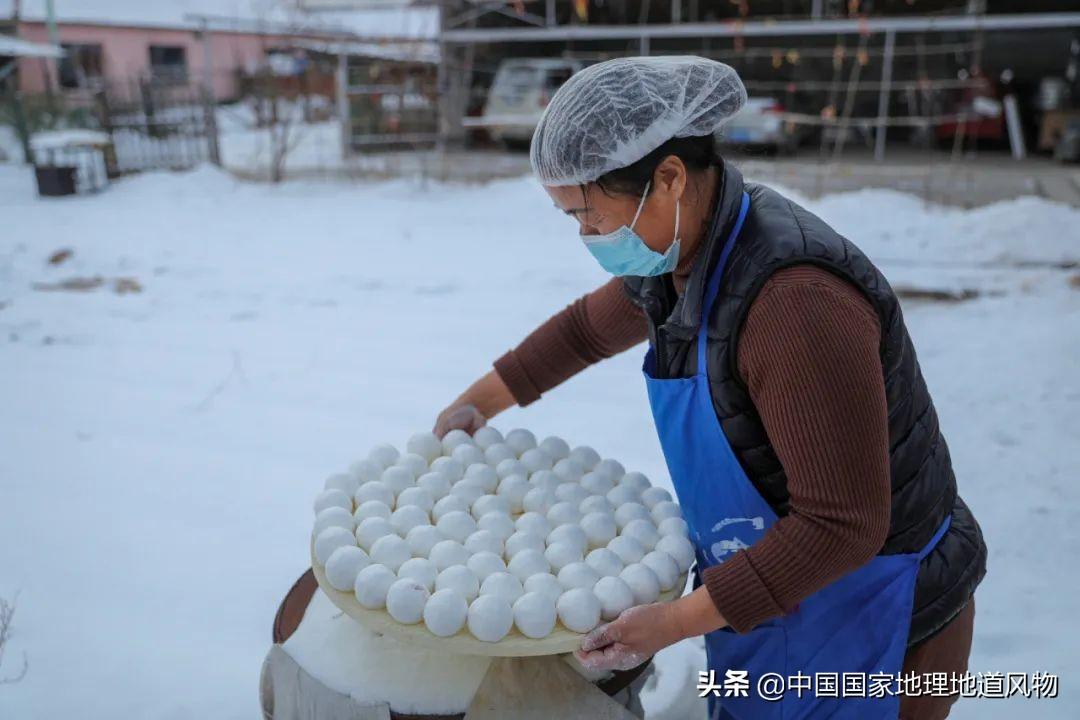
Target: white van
point(521, 90)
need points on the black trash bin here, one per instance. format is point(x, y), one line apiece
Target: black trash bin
point(55, 180)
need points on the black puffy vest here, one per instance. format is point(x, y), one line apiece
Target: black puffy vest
point(777, 234)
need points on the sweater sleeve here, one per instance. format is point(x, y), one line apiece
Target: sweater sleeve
point(596, 326)
point(809, 356)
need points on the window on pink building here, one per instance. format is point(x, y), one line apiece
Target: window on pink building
point(81, 66)
point(168, 63)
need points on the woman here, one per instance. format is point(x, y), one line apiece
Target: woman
point(800, 437)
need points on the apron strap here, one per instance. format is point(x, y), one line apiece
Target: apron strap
point(937, 537)
point(714, 282)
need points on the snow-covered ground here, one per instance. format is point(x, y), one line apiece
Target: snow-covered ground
point(159, 449)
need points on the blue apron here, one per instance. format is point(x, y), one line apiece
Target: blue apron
point(857, 624)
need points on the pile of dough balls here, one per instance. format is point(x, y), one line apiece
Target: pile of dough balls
point(494, 532)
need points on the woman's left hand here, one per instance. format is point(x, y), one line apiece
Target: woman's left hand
point(630, 639)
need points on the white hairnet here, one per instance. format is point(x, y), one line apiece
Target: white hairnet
point(612, 114)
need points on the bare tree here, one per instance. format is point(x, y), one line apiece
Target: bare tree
point(7, 614)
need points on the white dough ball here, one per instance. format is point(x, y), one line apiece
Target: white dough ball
point(332, 498)
point(597, 503)
point(453, 438)
point(523, 541)
point(457, 525)
point(343, 565)
point(651, 496)
point(372, 584)
point(510, 466)
point(467, 491)
point(679, 548)
point(544, 583)
point(579, 610)
point(520, 440)
point(663, 510)
point(674, 526)
point(484, 541)
point(612, 468)
point(642, 581)
point(416, 497)
point(333, 517)
point(329, 540)
point(527, 563)
point(538, 500)
point(371, 508)
point(345, 482)
point(419, 569)
point(449, 467)
point(561, 554)
point(405, 601)
point(487, 436)
point(585, 456)
point(416, 464)
point(490, 618)
point(468, 455)
point(536, 459)
point(630, 511)
point(572, 535)
point(435, 484)
point(555, 447)
point(605, 562)
point(547, 480)
point(371, 530)
point(568, 470)
point(397, 478)
point(578, 575)
point(366, 471)
point(666, 569)
point(406, 517)
point(460, 579)
point(498, 524)
point(422, 538)
point(490, 503)
point(533, 522)
point(562, 513)
point(535, 615)
point(391, 551)
point(425, 444)
point(571, 493)
point(621, 495)
point(643, 531)
point(597, 483)
point(446, 553)
point(599, 528)
point(504, 584)
point(384, 455)
point(628, 549)
point(499, 452)
point(485, 563)
point(377, 490)
point(513, 488)
point(614, 595)
point(483, 476)
point(445, 613)
point(448, 504)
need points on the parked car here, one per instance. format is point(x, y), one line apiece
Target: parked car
point(760, 124)
point(521, 90)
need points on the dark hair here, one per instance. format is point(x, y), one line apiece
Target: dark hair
point(697, 153)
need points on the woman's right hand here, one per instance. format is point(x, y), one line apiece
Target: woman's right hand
point(485, 398)
point(459, 417)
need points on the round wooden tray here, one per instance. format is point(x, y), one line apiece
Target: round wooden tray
point(515, 644)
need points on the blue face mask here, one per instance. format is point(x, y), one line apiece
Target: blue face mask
point(623, 252)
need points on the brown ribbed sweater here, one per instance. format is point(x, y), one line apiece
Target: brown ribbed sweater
point(808, 353)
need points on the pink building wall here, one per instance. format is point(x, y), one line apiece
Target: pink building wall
point(126, 52)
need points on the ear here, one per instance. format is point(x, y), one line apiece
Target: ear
point(670, 176)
